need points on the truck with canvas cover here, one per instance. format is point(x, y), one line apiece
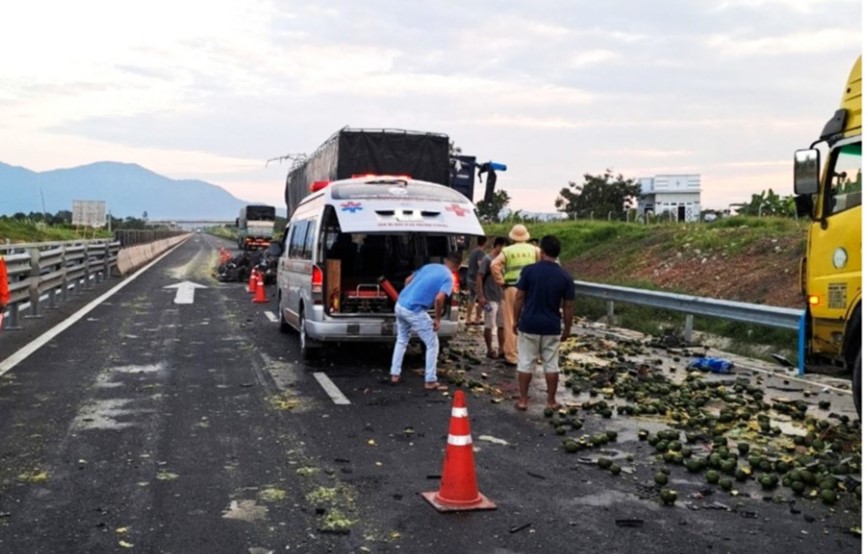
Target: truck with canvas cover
point(831, 270)
point(255, 226)
point(360, 152)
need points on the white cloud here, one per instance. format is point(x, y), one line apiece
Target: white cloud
point(590, 57)
point(801, 6)
point(821, 40)
point(653, 153)
point(488, 92)
point(689, 87)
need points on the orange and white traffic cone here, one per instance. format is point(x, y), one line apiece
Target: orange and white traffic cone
point(251, 283)
point(458, 489)
point(260, 297)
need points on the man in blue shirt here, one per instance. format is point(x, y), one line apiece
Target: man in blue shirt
point(544, 316)
point(430, 285)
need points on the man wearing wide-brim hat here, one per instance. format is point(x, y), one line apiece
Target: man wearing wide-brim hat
point(506, 269)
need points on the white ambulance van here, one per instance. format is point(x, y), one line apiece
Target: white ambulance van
point(349, 240)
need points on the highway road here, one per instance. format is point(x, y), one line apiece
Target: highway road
point(150, 426)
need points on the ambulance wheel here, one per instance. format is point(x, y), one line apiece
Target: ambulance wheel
point(284, 326)
point(308, 348)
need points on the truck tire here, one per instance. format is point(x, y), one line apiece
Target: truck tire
point(284, 326)
point(857, 382)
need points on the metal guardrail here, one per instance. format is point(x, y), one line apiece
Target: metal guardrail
point(768, 316)
point(48, 270)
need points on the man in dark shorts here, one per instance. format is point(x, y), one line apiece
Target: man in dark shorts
point(544, 316)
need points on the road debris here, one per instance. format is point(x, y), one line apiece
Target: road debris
point(629, 522)
point(34, 477)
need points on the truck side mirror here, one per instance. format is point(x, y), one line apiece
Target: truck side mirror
point(806, 171)
point(236, 222)
point(275, 249)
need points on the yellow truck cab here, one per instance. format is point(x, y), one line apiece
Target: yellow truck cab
point(832, 267)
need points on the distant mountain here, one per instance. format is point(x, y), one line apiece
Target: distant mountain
point(128, 189)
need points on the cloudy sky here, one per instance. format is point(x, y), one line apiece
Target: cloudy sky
point(553, 88)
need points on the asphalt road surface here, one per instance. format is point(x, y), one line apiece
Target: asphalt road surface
point(150, 426)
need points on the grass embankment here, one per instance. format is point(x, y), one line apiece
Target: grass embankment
point(16, 231)
point(223, 232)
point(746, 259)
point(231, 233)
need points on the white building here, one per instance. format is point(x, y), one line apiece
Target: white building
point(675, 195)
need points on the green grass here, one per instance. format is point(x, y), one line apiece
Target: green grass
point(222, 232)
point(730, 235)
point(231, 233)
point(17, 231)
point(578, 237)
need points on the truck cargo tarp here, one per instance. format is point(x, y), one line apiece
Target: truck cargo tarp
point(423, 156)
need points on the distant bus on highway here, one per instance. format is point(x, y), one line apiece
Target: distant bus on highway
point(255, 226)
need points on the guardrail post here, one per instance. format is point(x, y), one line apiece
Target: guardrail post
point(52, 298)
point(10, 323)
point(610, 313)
point(97, 275)
point(64, 287)
point(34, 284)
point(688, 328)
point(106, 261)
point(87, 282)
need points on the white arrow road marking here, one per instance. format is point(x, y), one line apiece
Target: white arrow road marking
point(186, 292)
point(271, 317)
point(331, 389)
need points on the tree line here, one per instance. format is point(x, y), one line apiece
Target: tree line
point(614, 196)
point(63, 218)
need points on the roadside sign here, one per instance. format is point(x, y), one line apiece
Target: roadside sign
point(88, 213)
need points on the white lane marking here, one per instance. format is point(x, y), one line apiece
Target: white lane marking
point(331, 389)
point(45, 337)
point(185, 291)
point(270, 315)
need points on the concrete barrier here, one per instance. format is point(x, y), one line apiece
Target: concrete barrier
point(135, 257)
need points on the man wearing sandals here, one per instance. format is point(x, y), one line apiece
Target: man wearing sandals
point(490, 296)
point(544, 316)
point(428, 286)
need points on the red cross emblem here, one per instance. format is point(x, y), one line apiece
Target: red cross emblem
point(457, 210)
